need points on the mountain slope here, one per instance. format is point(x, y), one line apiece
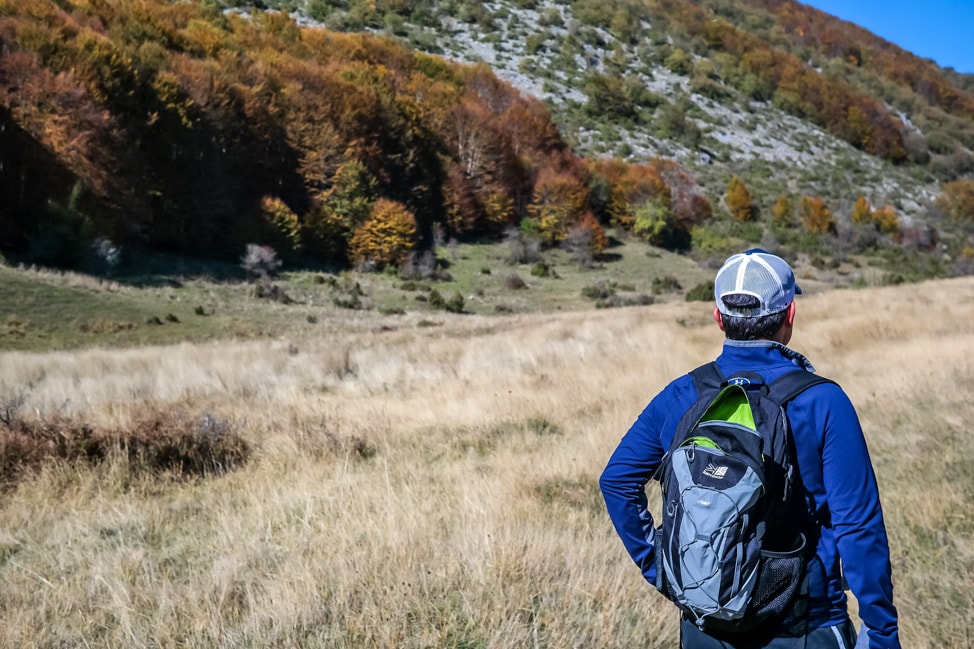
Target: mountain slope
point(552, 49)
point(198, 127)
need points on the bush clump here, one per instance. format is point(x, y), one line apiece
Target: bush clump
point(161, 443)
point(702, 292)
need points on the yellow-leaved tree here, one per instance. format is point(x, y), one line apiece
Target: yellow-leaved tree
point(283, 226)
point(816, 216)
point(386, 237)
point(862, 212)
point(783, 212)
point(886, 221)
point(738, 200)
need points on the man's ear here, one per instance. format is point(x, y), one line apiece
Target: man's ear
point(718, 319)
point(790, 318)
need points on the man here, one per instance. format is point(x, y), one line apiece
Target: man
point(755, 309)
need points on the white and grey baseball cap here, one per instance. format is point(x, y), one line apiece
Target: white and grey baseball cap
point(758, 274)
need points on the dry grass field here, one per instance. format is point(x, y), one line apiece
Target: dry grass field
point(436, 486)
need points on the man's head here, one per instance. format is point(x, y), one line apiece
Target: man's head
point(755, 293)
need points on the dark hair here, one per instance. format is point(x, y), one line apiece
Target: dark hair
point(759, 328)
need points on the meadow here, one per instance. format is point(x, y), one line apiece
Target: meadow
point(418, 486)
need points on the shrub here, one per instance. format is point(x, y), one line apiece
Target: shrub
point(455, 304)
point(171, 443)
point(665, 283)
point(708, 241)
point(260, 261)
point(436, 300)
point(352, 302)
point(523, 248)
point(702, 292)
point(957, 200)
point(614, 301)
point(268, 291)
point(419, 266)
point(585, 240)
point(599, 291)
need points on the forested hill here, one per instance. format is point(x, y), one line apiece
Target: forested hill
point(358, 132)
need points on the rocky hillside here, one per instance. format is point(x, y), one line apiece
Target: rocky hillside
point(686, 104)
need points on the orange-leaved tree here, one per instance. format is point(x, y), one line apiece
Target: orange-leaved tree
point(862, 211)
point(885, 220)
point(386, 237)
point(627, 187)
point(559, 201)
point(816, 216)
point(738, 200)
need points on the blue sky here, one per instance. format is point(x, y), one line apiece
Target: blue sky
point(942, 30)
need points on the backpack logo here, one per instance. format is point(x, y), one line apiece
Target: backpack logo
point(729, 548)
point(716, 472)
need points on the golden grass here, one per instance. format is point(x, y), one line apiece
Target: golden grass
point(436, 487)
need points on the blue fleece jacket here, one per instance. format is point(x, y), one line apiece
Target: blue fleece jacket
point(836, 470)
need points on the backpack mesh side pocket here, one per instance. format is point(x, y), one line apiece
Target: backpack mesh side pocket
point(779, 591)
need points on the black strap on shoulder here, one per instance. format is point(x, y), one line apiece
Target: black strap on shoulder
point(787, 387)
point(707, 377)
point(783, 389)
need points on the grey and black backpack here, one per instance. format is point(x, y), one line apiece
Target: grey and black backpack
point(731, 548)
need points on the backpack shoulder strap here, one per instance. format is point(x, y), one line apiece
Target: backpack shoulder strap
point(787, 387)
point(707, 377)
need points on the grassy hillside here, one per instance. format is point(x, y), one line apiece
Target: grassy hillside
point(436, 487)
point(176, 301)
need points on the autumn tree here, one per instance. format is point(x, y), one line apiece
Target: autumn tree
point(282, 225)
point(956, 200)
point(627, 186)
point(689, 204)
point(862, 212)
point(816, 216)
point(738, 200)
point(558, 202)
point(783, 212)
point(885, 220)
point(386, 237)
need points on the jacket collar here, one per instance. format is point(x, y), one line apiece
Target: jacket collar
point(768, 345)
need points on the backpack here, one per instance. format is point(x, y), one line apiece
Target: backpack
point(730, 551)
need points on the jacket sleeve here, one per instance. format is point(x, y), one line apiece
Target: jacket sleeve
point(624, 479)
point(857, 519)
